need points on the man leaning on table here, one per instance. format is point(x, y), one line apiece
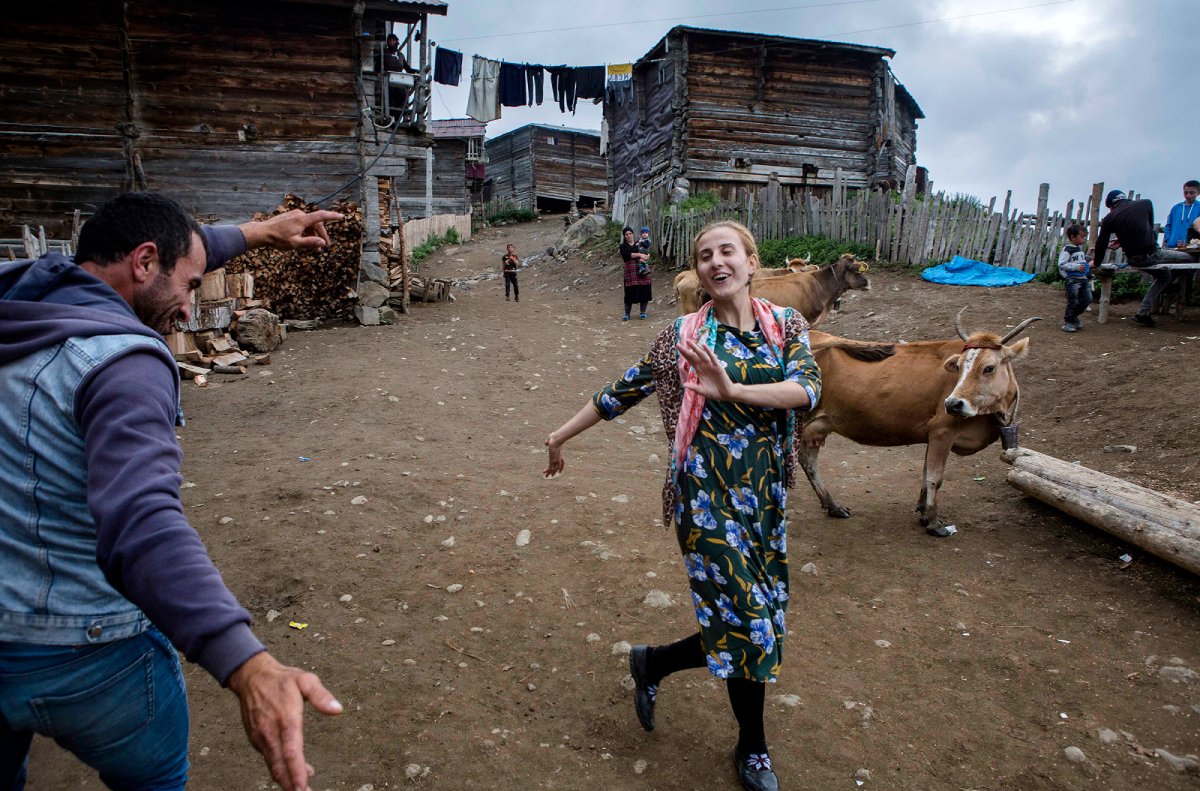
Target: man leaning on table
point(101, 576)
point(1132, 222)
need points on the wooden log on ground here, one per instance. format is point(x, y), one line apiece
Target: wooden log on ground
point(1160, 524)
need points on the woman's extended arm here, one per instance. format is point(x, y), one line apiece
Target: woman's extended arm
point(612, 401)
point(581, 422)
point(715, 383)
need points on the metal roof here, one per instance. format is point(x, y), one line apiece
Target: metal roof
point(418, 6)
point(882, 52)
point(457, 127)
point(551, 127)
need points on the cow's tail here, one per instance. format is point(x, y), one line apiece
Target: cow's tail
point(865, 351)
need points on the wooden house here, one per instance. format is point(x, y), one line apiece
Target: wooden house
point(459, 158)
point(226, 106)
point(547, 167)
point(728, 110)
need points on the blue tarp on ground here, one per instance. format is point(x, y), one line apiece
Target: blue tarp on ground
point(961, 271)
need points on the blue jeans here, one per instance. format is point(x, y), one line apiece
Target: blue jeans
point(120, 707)
point(1079, 296)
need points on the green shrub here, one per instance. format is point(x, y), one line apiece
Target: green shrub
point(452, 236)
point(775, 252)
point(1128, 285)
point(1049, 277)
point(513, 215)
point(702, 201)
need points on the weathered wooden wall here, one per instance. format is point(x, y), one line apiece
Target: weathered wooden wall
point(104, 96)
point(523, 165)
point(641, 130)
point(568, 168)
point(510, 166)
point(62, 88)
point(449, 181)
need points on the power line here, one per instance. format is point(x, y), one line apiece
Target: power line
point(668, 19)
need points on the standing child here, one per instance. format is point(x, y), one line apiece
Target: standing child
point(644, 248)
point(1074, 268)
point(511, 264)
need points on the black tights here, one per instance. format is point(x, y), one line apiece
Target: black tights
point(746, 696)
point(629, 305)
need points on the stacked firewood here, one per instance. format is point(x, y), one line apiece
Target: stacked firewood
point(313, 283)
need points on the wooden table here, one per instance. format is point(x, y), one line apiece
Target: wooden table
point(1107, 271)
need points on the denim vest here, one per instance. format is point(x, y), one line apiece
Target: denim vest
point(52, 590)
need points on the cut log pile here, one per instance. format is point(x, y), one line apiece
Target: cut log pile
point(314, 283)
point(1162, 525)
point(229, 329)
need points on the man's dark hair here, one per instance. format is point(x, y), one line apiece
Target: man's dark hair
point(1193, 184)
point(135, 218)
point(1076, 230)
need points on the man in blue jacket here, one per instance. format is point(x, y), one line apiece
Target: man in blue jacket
point(1182, 216)
point(101, 577)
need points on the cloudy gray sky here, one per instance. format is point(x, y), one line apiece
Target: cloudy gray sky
point(1069, 94)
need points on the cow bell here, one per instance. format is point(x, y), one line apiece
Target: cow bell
point(1008, 436)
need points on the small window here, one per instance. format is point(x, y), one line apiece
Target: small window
point(550, 141)
point(662, 73)
point(474, 149)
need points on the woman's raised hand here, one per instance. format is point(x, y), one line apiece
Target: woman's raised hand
point(714, 381)
point(557, 461)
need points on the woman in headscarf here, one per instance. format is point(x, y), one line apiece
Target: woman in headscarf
point(729, 379)
point(637, 282)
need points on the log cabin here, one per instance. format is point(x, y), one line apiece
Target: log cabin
point(726, 110)
point(547, 167)
point(226, 106)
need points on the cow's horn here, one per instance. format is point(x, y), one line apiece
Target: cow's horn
point(958, 325)
point(1017, 329)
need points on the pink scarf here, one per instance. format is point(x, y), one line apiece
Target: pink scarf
point(770, 321)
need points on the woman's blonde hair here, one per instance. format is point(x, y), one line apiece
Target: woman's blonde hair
point(742, 231)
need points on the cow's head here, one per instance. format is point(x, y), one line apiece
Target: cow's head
point(986, 382)
point(851, 273)
point(801, 264)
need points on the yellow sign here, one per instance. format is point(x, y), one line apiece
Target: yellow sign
point(617, 69)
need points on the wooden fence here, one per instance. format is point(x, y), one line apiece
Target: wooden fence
point(902, 227)
point(417, 232)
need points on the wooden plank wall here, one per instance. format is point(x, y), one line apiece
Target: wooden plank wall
point(287, 69)
point(570, 168)
point(641, 130)
point(510, 166)
point(814, 109)
point(62, 87)
point(449, 181)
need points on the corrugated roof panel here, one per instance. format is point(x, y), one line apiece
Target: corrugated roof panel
point(457, 127)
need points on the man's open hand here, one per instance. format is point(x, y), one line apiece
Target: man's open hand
point(293, 230)
point(272, 697)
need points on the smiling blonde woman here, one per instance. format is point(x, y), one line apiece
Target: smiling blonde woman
point(729, 379)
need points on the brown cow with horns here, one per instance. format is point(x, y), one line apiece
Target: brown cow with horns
point(950, 395)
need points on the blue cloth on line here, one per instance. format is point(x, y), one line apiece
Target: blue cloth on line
point(961, 271)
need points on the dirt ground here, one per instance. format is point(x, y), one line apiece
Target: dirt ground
point(1018, 637)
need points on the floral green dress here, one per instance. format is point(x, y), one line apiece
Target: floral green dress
point(731, 521)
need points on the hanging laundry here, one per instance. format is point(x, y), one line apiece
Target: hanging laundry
point(618, 72)
point(603, 136)
point(512, 85)
point(562, 86)
point(447, 66)
point(589, 82)
point(533, 83)
point(482, 105)
point(619, 92)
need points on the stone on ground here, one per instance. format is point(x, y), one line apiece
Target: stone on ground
point(657, 598)
point(258, 331)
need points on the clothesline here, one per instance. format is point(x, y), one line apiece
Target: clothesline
point(496, 84)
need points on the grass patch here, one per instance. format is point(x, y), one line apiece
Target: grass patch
point(775, 252)
point(512, 215)
point(426, 248)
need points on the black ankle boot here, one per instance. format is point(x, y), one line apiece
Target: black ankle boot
point(755, 775)
point(643, 691)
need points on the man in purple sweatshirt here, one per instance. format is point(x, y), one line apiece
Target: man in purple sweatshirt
point(101, 577)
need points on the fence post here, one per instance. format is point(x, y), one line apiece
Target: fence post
point(1094, 215)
